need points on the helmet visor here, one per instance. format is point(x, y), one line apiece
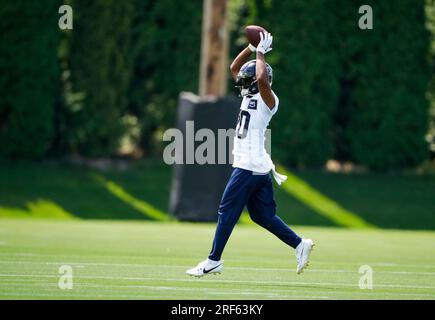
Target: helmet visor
point(243, 82)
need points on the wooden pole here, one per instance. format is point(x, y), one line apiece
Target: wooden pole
point(214, 49)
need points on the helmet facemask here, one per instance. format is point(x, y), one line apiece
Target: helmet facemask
point(247, 85)
point(246, 80)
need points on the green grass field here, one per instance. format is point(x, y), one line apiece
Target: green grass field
point(112, 227)
point(141, 192)
point(147, 260)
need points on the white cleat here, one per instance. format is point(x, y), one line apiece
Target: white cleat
point(206, 267)
point(303, 251)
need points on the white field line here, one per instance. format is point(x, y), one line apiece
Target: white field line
point(277, 293)
point(265, 269)
point(220, 281)
point(35, 282)
point(80, 296)
point(69, 295)
point(153, 297)
point(211, 291)
point(116, 295)
point(353, 264)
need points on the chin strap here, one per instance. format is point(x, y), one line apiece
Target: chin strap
point(279, 178)
point(253, 88)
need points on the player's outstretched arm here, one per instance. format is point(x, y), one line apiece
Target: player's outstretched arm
point(240, 60)
point(261, 71)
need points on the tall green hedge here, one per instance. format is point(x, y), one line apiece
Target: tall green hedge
point(389, 114)
point(305, 78)
point(350, 94)
point(100, 70)
point(430, 13)
point(166, 51)
point(345, 93)
point(28, 76)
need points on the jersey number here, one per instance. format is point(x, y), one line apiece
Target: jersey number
point(243, 124)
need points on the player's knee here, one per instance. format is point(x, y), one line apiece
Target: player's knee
point(226, 218)
point(257, 219)
point(263, 219)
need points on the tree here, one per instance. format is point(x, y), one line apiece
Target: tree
point(29, 74)
point(100, 73)
point(165, 50)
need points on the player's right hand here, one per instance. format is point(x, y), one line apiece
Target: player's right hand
point(265, 44)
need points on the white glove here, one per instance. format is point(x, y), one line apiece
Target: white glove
point(265, 44)
point(252, 48)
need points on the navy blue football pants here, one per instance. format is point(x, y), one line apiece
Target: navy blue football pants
point(256, 192)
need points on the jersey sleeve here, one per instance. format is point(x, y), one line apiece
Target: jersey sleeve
point(275, 108)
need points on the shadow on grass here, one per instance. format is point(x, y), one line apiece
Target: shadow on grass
point(322, 204)
point(141, 192)
point(389, 201)
point(59, 191)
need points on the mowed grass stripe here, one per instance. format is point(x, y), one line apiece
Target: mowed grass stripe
point(182, 268)
point(250, 293)
point(138, 260)
point(343, 292)
point(211, 290)
point(188, 261)
point(224, 281)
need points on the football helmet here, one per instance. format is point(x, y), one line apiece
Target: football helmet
point(246, 80)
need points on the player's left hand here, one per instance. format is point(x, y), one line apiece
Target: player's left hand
point(265, 44)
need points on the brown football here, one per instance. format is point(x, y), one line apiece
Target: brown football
point(252, 33)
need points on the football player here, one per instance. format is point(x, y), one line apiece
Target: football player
point(250, 183)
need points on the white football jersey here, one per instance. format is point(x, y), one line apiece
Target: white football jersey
point(249, 151)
